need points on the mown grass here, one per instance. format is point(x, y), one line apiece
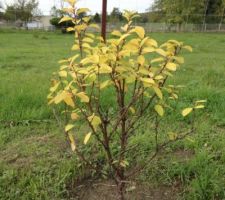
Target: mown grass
point(34, 160)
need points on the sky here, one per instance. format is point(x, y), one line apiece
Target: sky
point(95, 5)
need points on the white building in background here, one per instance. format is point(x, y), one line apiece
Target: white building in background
point(41, 22)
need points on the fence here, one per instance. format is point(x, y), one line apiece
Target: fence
point(149, 27)
point(163, 27)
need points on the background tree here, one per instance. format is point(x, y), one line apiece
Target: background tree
point(1, 10)
point(179, 11)
point(97, 18)
point(187, 11)
point(116, 15)
point(56, 12)
point(23, 10)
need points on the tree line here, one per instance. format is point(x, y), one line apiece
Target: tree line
point(187, 11)
point(23, 10)
point(161, 11)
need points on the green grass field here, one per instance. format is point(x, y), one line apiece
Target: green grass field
point(35, 162)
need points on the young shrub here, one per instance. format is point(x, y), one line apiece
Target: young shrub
point(111, 86)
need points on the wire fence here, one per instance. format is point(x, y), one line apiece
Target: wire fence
point(164, 27)
point(149, 27)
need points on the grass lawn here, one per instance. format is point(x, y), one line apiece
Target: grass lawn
point(35, 162)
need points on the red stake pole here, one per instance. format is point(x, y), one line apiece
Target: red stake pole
point(104, 16)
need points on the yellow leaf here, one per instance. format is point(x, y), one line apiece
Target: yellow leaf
point(116, 33)
point(64, 19)
point(69, 101)
point(124, 163)
point(75, 47)
point(86, 19)
point(83, 97)
point(74, 116)
point(174, 42)
point(189, 48)
point(158, 92)
point(201, 101)
point(148, 80)
point(123, 37)
point(187, 111)
point(132, 110)
point(105, 69)
point(104, 84)
point(94, 26)
point(70, 29)
point(140, 31)
point(141, 60)
point(172, 136)
point(54, 88)
point(72, 141)
point(90, 35)
point(86, 45)
point(60, 97)
point(171, 66)
point(95, 121)
point(64, 67)
point(199, 106)
point(81, 27)
point(63, 61)
point(83, 71)
point(157, 60)
point(124, 53)
point(148, 50)
point(161, 52)
point(151, 42)
point(71, 2)
point(159, 109)
point(87, 137)
point(63, 73)
point(180, 60)
point(95, 59)
point(143, 41)
point(69, 127)
point(82, 10)
point(159, 77)
point(89, 40)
